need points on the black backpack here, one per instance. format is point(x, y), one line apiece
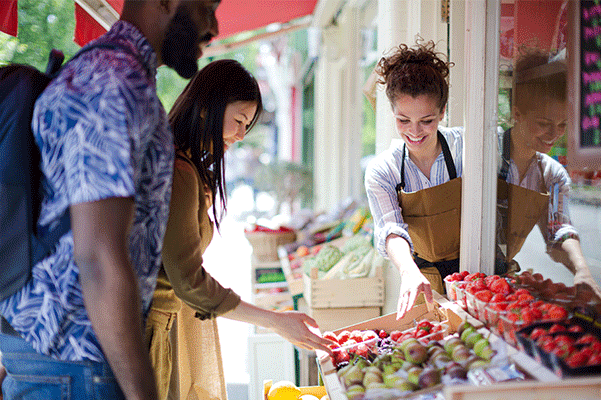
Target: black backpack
point(21, 245)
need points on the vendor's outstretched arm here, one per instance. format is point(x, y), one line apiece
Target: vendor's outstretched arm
point(570, 255)
point(413, 282)
point(291, 325)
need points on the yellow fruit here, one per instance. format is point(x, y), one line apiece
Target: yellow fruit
point(317, 391)
point(283, 390)
point(267, 383)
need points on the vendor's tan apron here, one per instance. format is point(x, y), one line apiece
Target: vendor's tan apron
point(433, 216)
point(519, 208)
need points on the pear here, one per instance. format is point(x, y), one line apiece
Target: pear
point(460, 353)
point(397, 355)
point(429, 377)
point(353, 376)
point(375, 385)
point(372, 377)
point(463, 326)
point(466, 332)
point(416, 353)
point(382, 359)
point(391, 368)
point(405, 386)
point(480, 363)
point(451, 343)
point(390, 380)
point(407, 342)
point(472, 339)
point(480, 344)
point(413, 375)
point(343, 370)
point(456, 371)
point(355, 392)
point(487, 353)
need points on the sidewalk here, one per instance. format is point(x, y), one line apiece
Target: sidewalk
point(228, 259)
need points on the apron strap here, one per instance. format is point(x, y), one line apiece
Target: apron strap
point(448, 159)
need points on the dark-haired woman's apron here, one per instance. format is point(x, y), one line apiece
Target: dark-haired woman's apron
point(433, 216)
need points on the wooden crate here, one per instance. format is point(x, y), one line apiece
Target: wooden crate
point(295, 285)
point(573, 389)
point(445, 310)
point(352, 292)
point(331, 318)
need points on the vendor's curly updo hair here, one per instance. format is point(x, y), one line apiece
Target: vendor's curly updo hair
point(415, 71)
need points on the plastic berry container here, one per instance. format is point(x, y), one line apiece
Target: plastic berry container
point(450, 288)
point(509, 327)
point(461, 294)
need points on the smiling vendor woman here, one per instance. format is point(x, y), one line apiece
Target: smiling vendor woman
point(414, 187)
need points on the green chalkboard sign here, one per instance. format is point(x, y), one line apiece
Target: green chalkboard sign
point(590, 70)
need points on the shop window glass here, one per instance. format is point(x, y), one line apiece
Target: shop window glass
point(544, 196)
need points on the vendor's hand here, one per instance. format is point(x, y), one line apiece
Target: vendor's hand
point(584, 281)
point(412, 284)
point(295, 326)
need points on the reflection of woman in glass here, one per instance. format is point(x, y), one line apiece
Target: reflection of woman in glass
point(413, 188)
point(537, 184)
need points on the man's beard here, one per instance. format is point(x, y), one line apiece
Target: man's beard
point(180, 47)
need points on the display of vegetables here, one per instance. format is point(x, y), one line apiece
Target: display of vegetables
point(356, 258)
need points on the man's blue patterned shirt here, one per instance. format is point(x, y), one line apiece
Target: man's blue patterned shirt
point(103, 133)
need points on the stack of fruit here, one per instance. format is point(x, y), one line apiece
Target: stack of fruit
point(520, 314)
point(410, 365)
point(572, 347)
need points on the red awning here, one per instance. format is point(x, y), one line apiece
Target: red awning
point(234, 16)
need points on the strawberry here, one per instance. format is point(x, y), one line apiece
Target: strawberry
point(343, 336)
point(357, 336)
point(484, 295)
point(490, 279)
point(498, 297)
point(475, 286)
point(595, 359)
point(383, 334)
point(575, 328)
point(455, 276)
point(474, 276)
point(557, 312)
point(521, 291)
point(369, 334)
point(362, 350)
point(395, 335)
point(501, 286)
point(330, 336)
point(526, 316)
point(341, 356)
point(557, 328)
point(576, 359)
point(537, 333)
point(425, 325)
point(587, 338)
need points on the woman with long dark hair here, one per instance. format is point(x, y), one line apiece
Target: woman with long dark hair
point(217, 108)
